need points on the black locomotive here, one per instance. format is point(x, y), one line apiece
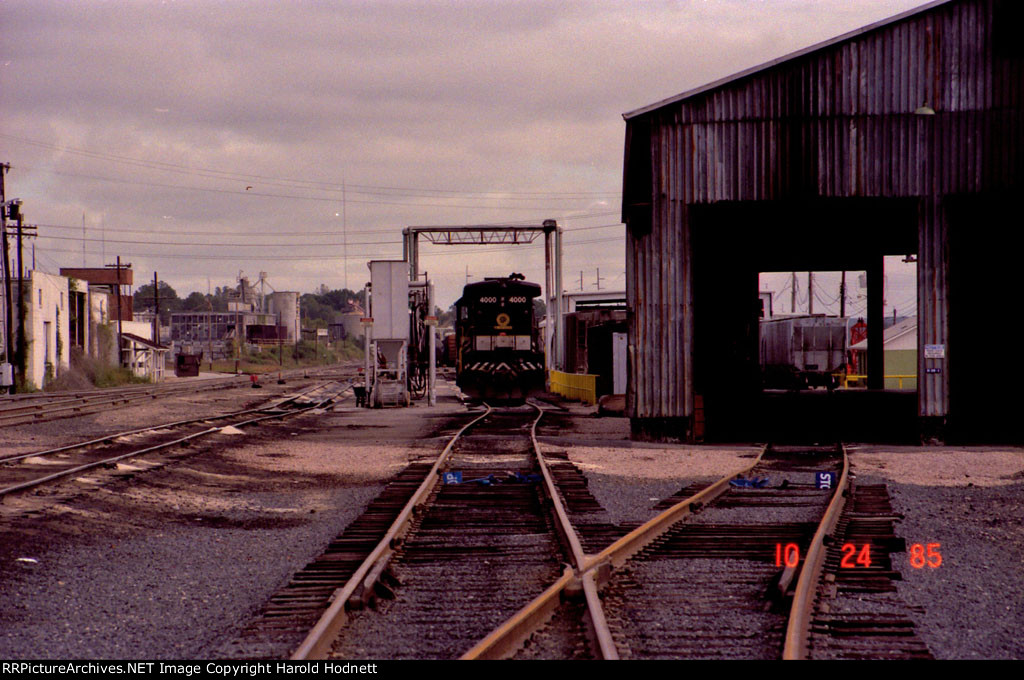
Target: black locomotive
point(496, 339)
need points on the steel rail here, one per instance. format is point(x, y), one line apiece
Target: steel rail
point(597, 624)
point(317, 643)
point(799, 625)
point(141, 387)
point(7, 399)
point(107, 461)
point(161, 426)
point(616, 554)
point(69, 405)
point(34, 412)
point(505, 639)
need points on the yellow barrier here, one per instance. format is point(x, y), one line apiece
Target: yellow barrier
point(574, 386)
point(854, 377)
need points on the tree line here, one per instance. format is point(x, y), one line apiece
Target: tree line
point(318, 309)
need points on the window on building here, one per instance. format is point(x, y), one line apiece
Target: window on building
point(40, 298)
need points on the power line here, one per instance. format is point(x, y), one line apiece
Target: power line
point(178, 232)
point(323, 199)
point(256, 245)
point(823, 301)
point(297, 183)
point(223, 245)
point(282, 258)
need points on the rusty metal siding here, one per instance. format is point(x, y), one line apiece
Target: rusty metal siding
point(835, 121)
point(842, 123)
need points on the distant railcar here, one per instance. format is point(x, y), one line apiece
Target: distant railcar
point(498, 356)
point(801, 352)
point(450, 350)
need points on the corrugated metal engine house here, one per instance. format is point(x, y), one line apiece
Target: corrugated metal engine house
point(903, 137)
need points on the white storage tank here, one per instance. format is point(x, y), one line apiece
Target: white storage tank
point(284, 305)
point(352, 323)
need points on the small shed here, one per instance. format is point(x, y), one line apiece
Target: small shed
point(144, 357)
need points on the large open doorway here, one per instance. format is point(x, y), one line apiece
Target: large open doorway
point(737, 248)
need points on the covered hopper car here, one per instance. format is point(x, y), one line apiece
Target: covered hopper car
point(799, 352)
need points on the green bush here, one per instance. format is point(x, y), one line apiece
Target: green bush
point(102, 373)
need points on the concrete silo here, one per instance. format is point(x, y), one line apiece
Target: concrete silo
point(285, 304)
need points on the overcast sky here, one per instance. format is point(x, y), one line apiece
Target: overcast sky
point(204, 139)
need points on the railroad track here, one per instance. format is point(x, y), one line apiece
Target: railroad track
point(857, 612)
point(712, 575)
point(44, 406)
point(445, 561)
point(26, 471)
point(699, 590)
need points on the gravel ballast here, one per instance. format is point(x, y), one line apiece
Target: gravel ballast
point(970, 502)
point(968, 499)
point(173, 561)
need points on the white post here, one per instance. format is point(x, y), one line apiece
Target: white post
point(548, 294)
point(559, 310)
point(432, 326)
point(367, 328)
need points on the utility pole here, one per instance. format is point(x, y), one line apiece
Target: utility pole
point(238, 341)
point(238, 323)
point(344, 233)
point(792, 295)
point(810, 292)
point(120, 339)
point(599, 278)
point(22, 342)
point(8, 316)
point(156, 303)
point(842, 295)
point(280, 350)
point(26, 231)
point(581, 280)
point(209, 325)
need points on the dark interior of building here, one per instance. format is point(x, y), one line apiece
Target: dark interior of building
point(733, 242)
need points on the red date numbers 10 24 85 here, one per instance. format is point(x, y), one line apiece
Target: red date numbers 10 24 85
point(854, 557)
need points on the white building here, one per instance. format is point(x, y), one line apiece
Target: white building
point(47, 326)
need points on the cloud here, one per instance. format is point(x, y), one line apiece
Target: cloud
point(520, 98)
